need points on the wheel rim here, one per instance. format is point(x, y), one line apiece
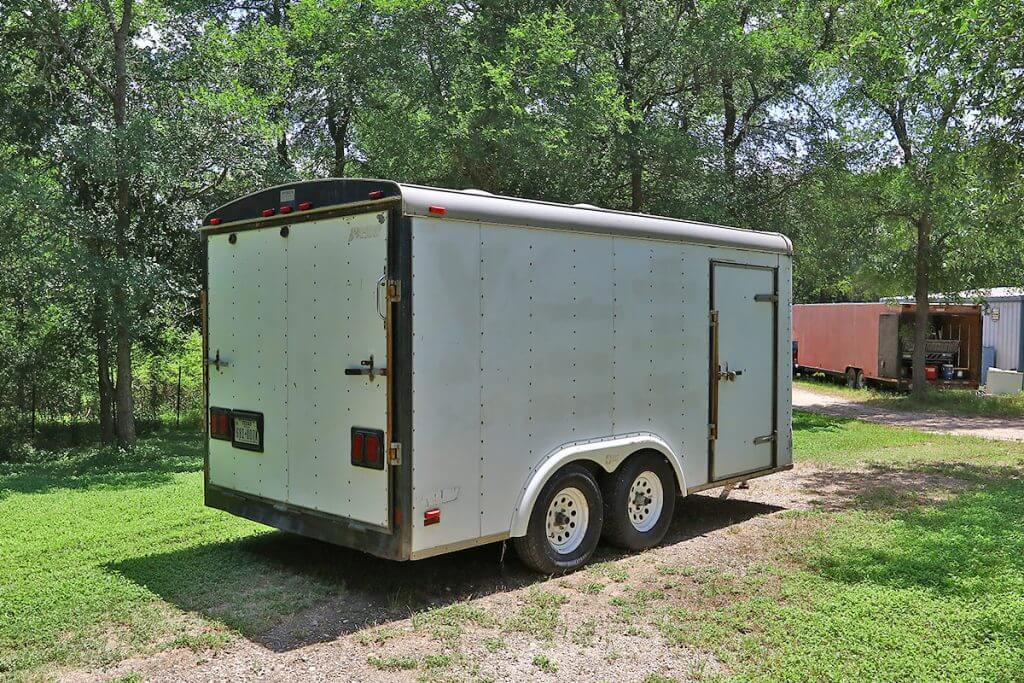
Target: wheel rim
point(567, 520)
point(646, 500)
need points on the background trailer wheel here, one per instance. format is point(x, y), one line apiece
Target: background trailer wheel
point(639, 500)
point(565, 524)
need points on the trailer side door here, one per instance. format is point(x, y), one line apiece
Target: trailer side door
point(743, 370)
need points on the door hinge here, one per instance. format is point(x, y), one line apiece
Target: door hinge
point(394, 290)
point(712, 431)
point(764, 439)
point(395, 453)
point(770, 298)
point(713, 317)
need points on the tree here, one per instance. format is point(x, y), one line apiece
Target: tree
point(921, 81)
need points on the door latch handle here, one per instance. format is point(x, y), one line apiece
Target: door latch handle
point(217, 361)
point(727, 374)
point(367, 369)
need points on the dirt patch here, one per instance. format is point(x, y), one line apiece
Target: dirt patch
point(478, 615)
point(997, 428)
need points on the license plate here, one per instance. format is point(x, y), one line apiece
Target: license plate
point(247, 431)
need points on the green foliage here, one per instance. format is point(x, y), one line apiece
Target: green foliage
point(834, 441)
point(765, 115)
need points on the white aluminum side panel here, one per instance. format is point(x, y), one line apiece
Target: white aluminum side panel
point(522, 345)
point(247, 324)
point(1004, 333)
point(446, 380)
point(334, 266)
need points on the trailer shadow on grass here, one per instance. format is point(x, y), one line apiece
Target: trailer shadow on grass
point(284, 591)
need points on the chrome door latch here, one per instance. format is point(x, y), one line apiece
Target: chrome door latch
point(367, 369)
point(727, 374)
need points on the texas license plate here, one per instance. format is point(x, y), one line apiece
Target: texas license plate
point(247, 432)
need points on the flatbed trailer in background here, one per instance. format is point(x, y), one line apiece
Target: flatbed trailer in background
point(872, 342)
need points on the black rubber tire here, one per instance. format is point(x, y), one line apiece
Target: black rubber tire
point(858, 381)
point(618, 529)
point(851, 377)
point(534, 549)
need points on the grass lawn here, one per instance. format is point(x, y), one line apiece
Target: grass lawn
point(100, 549)
point(106, 554)
point(953, 401)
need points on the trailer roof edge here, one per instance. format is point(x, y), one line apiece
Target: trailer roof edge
point(476, 205)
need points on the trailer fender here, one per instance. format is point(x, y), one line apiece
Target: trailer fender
point(608, 452)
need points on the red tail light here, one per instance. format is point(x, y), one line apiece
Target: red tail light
point(432, 517)
point(368, 448)
point(376, 194)
point(220, 424)
point(437, 210)
point(358, 447)
point(215, 221)
point(267, 213)
point(305, 206)
point(373, 452)
point(285, 209)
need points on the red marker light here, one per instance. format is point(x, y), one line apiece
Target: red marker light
point(305, 206)
point(285, 209)
point(432, 517)
point(215, 221)
point(267, 213)
point(376, 194)
point(437, 210)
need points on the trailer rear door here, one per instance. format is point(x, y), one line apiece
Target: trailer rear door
point(744, 303)
point(291, 310)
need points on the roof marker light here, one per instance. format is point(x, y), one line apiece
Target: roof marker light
point(437, 210)
point(215, 221)
point(305, 206)
point(285, 208)
point(376, 194)
point(267, 213)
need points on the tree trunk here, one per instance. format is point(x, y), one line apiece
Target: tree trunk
point(105, 388)
point(924, 226)
point(337, 128)
point(636, 169)
point(730, 141)
point(122, 225)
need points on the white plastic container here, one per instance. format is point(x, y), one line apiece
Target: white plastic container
point(1004, 382)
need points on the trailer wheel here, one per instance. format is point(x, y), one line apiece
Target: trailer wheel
point(639, 501)
point(565, 524)
point(855, 378)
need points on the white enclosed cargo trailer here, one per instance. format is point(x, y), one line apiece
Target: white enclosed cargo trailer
point(409, 371)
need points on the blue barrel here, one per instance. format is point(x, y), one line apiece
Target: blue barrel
point(988, 360)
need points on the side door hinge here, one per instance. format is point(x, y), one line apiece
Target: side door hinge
point(395, 453)
point(713, 317)
point(712, 431)
point(394, 290)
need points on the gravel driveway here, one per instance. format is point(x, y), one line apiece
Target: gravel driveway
point(999, 428)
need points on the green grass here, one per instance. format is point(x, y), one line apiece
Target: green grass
point(897, 587)
point(933, 593)
point(107, 553)
point(844, 442)
point(952, 401)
